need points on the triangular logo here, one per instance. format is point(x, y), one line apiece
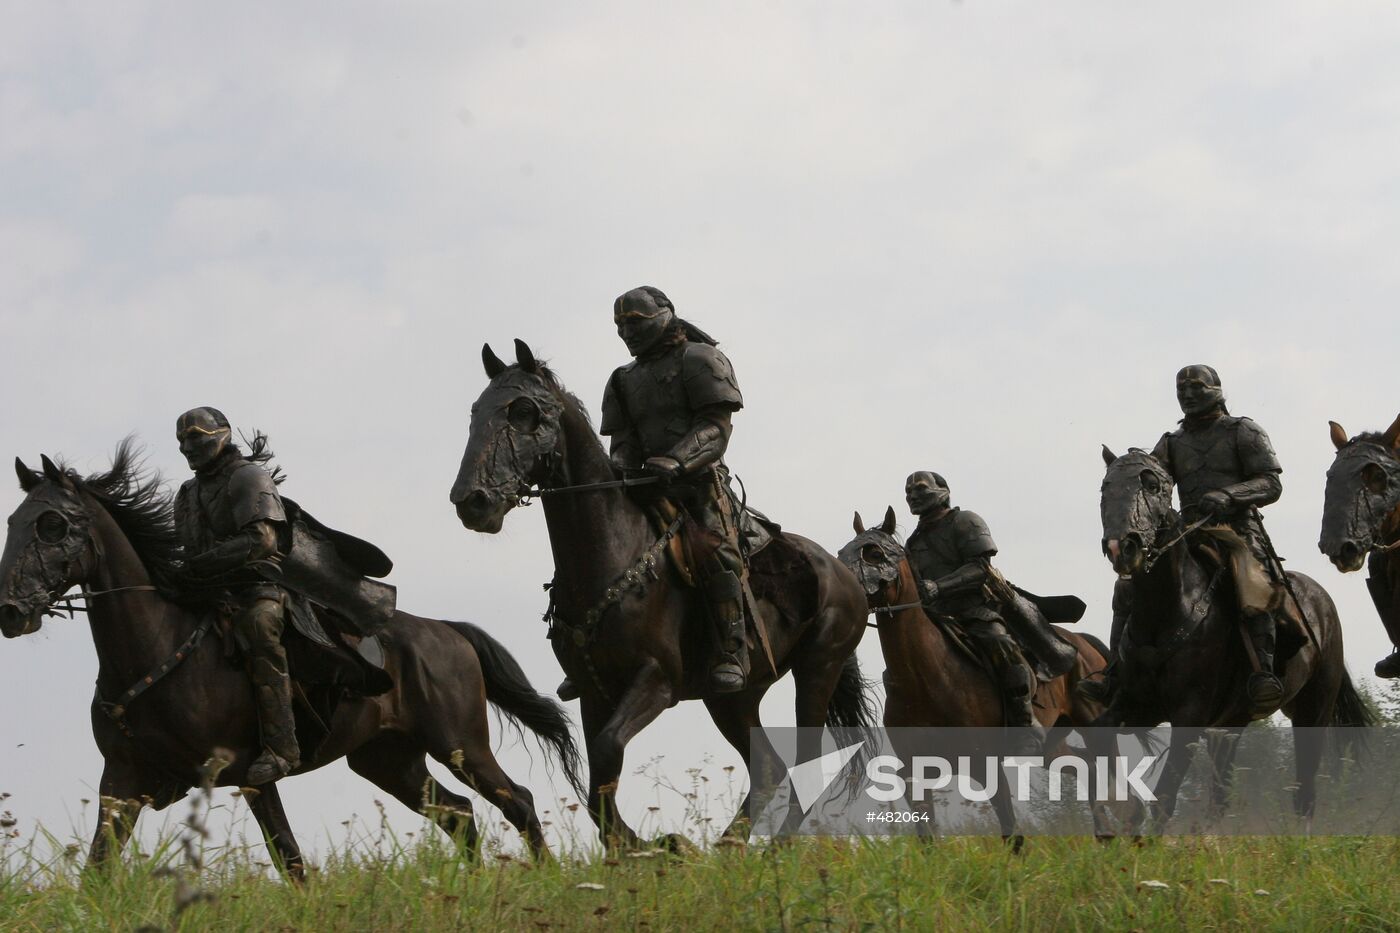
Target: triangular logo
point(811, 778)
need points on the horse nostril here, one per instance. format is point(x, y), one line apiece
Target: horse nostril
point(1349, 552)
point(477, 501)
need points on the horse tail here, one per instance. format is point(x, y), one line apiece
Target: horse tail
point(509, 690)
point(850, 706)
point(1349, 712)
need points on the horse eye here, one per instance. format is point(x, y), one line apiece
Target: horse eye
point(1150, 482)
point(872, 554)
point(51, 528)
point(524, 415)
point(1374, 478)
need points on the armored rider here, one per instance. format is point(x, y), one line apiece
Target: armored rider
point(951, 553)
point(229, 517)
point(667, 413)
point(1224, 468)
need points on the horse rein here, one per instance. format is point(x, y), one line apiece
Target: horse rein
point(65, 603)
point(1155, 554)
point(535, 492)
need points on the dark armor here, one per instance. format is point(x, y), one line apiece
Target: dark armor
point(230, 518)
point(950, 552)
point(668, 412)
point(1224, 468)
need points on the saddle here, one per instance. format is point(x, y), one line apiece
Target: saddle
point(1292, 631)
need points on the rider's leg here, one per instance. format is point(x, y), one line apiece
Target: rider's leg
point(724, 594)
point(259, 630)
point(1264, 687)
point(1381, 583)
point(1017, 683)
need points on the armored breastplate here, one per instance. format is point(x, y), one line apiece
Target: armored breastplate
point(653, 393)
point(1205, 459)
point(934, 549)
point(203, 513)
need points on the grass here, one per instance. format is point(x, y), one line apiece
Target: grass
point(951, 884)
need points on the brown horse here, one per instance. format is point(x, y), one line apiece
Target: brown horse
point(112, 535)
point(626, 630)
point(930, 682)
point(1361, 516)
point(1183, 654)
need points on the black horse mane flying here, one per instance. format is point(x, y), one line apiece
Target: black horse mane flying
point(138, 502)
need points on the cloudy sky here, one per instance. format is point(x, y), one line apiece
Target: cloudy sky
point(974, 237)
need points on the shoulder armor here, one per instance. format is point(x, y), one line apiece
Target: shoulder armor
point(709, 378)
point(973, 535)
point(252, 496)
point(1255, 449)
point(615, 420)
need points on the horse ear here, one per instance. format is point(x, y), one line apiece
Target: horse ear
point(1392, 433)
point(889, 523)
point(28, 479)
point(1108, 456)
point(50, 469)
point(492, 362)
point(858, 525)
point(524, 357)
point(1339, 435)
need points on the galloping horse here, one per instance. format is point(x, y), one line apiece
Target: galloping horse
point(624, 627)
point(1184, 655)
point(112, 535)
point(1361, 515)
point(928, 681)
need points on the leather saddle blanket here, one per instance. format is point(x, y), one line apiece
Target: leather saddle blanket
point(1292, 633)
point(777, 569)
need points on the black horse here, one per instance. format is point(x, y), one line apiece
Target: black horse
point(1361, 515)
point(112, 535)
point(625, 625)
point(1184, 655)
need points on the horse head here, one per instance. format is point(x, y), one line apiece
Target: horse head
point(513, 442)
point(876, 559)
point(1135, 505)
point(1363, 495)
point(46, 550)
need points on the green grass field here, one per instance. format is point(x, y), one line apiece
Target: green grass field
point(954, 884)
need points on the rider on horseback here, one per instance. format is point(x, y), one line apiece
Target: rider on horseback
point(1224, 468)
point(951, 553)
point(229, 517)
point(667, 413)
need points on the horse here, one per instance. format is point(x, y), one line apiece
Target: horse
point(929, 682)
point(112, 534)
point(625, 628)
point(1184, 653)
point(1361, 515)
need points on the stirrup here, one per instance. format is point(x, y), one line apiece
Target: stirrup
point(268, 767)
point(567, 690)
point(1389, 667)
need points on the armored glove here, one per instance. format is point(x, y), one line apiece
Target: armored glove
point(928, 591)
point(668, 468)
point(1216, 502)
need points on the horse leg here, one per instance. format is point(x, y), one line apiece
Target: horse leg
point(1002, 806)
point(1222, 745)
point(119, 806)
point(645, 699)
point(398, 767)
point(735, 715)
point(478, 767)
point(266, 804)
point(1173, 773)
point(1311, 712)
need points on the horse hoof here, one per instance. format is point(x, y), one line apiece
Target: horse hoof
point(1017, 842)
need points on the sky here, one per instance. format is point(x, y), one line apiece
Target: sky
point(975, 237)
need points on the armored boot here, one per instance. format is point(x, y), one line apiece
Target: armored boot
point(1264, 688)
point(1018, 694)
point(726, 602)
point(1388, 667)
point(273, 687)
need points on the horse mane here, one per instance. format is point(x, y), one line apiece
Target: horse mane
point(138, 502)
point(551, 379)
